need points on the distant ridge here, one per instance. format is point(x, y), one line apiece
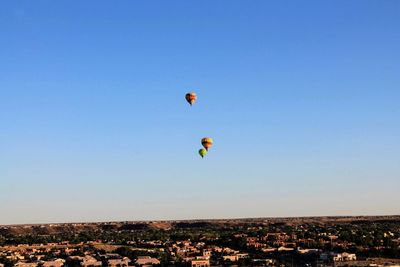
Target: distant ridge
point(52, 228)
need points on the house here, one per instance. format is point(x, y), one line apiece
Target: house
point(218, 249)
point(242, 255)
point(87, 261)
point(124, 262)
point(147, 260)
point(251, 241)
point(38, 257)
point(268, 250)
point(200, 263)
point(230, 251)
point(267, 262)
point(344, 257)
point(207, 253)
point(54, 263)
point(232, 258)
point(307, 250)
point(285, 249)
point(26, 264)
point(19, 256)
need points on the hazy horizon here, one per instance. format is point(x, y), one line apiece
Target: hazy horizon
point(302, 100)
point(203, 219)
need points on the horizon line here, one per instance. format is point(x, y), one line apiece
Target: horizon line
point(193, 220)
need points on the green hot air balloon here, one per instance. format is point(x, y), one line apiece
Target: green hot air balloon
point(202, 152)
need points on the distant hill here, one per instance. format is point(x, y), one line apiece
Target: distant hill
point(48, 229)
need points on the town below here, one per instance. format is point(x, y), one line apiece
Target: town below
point(304, 241)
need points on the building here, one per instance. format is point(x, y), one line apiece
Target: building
point(344, 257)
point(87, 261)
point(207, 253)
point(26, 264)
point(268, 250)
point(232, 258)
point(124, 262)
point(267, 262)
point(251, 241)
point(235, 257)
point(285, 249)
point(200, 263)
point(242, 255)
point(147, 260)
point(307, 250)
point(55, 263)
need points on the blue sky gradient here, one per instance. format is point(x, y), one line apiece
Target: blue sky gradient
point(301, 97)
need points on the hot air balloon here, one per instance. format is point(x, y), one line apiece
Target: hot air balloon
point(191, 98)
point(202, 152)
point(207, 142)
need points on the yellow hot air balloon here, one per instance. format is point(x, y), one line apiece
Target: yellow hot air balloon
point(207, 142)
point(191, 97)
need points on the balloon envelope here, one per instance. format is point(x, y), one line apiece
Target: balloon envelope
point(202, 152)
point(191, 97)
point(207, 142)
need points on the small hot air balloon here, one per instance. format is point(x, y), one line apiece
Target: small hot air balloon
point(202, 152)
point(191, 98)
point(207, 142)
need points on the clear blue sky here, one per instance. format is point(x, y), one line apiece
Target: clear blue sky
point(301, 97)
